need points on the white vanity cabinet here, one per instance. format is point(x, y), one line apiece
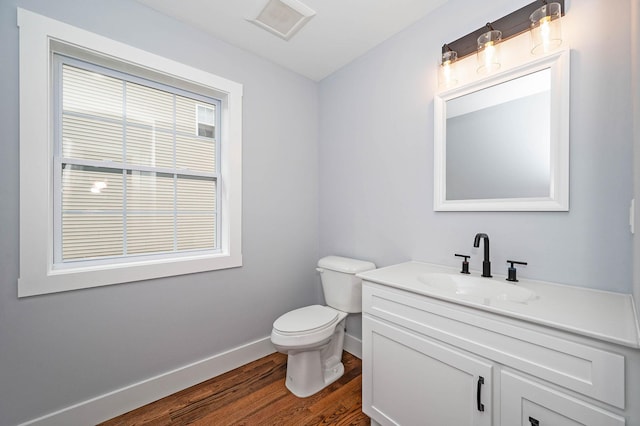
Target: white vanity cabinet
point(528, 403)
point(428, 361)
point(412, 380)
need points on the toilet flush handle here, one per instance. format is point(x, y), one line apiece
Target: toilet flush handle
point(320, 270)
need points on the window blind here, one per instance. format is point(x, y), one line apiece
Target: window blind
point(138, 167)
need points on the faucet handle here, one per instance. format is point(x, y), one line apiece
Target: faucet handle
point(511, 271)
point(465, 263)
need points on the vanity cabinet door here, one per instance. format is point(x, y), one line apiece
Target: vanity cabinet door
point(527, 403)
point(410, 380)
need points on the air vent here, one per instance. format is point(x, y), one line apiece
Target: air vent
point(283, 18)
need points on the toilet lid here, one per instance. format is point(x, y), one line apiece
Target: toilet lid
point(307, 319)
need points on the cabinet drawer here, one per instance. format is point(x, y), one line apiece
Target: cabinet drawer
point(528, 403)
point(592, 372)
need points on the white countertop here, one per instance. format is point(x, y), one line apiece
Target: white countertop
point(599, 314)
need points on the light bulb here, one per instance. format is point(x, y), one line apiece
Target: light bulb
point(488, 51)
point(489, 54)
point(546, 33)
point(447, 76)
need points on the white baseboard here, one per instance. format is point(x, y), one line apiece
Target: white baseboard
point(353, 345)
point(112, 404)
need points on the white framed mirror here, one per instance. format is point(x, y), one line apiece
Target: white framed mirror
point(502, 142)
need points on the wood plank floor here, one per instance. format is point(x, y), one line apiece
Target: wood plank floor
point(255, 394)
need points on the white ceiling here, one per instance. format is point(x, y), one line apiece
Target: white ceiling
point(340, 31)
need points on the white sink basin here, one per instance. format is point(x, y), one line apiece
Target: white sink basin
point(472, 287)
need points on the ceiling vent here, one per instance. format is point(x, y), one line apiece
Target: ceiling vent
point(283, 18)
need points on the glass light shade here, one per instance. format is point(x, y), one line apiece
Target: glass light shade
point(489, 52)
point(447, 75)
point(546, 32)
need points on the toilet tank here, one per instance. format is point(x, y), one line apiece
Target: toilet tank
point(342, 289)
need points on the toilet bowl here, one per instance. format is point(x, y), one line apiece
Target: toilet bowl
point(313, 336)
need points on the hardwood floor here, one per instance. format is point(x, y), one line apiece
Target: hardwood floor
point(255, 394)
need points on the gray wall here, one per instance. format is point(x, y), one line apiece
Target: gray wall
point(372, 196)
point(635, 54)
point(376, 156)
point(57, 350)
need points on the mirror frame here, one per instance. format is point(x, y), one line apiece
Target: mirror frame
point(558, 200)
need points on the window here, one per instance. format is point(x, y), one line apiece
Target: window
point(130, 163)
point(136, 166)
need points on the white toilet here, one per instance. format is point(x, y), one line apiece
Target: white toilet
point(313, 336)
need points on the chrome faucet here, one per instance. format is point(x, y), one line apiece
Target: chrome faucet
point(486, 263)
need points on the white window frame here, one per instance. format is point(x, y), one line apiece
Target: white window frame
point(38, 36)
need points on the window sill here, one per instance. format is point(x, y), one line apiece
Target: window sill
point(36, 281)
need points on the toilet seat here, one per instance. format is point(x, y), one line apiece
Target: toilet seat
point(306, 327)
point(305, 320)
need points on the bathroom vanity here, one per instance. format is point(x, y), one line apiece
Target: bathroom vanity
point(443, 348)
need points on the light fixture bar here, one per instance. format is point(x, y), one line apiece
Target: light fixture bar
point(511, 25)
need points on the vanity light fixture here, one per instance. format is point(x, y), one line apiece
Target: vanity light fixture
point(489, 50)
point(447, 77)
point(539, 18)
point(546, 31)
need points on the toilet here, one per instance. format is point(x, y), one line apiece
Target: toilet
point(313, 336)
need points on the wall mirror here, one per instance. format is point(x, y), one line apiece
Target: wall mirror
point(502, 142)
